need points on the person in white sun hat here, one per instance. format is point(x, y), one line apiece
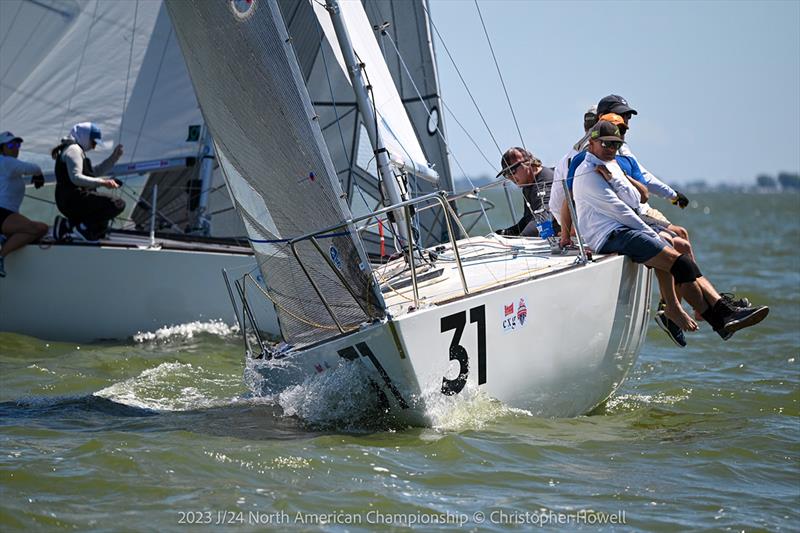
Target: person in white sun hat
point(88, 212)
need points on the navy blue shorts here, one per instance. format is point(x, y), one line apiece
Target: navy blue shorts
point(635, 243)
point(4, 214)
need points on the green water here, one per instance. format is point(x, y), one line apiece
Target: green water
point(160, 433)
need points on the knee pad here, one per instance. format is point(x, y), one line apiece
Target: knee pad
point(684, 270)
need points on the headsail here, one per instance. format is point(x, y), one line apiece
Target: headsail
point(273, 155)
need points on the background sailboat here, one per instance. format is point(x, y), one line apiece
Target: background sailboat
point(116, 63)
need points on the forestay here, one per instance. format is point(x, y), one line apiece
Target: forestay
point(273, 155)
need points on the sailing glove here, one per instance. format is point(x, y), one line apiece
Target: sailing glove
point(680, 200)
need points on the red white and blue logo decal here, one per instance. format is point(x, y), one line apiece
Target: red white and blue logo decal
point(522, 312)
point(514, 315)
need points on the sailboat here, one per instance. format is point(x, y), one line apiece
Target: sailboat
point(555, 334)
point(164, 266)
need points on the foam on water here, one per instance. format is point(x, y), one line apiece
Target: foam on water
point(173, 387)
point(629, 402)
point(187, 331)
point(346, 397)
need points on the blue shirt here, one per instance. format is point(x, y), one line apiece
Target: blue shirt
point(628, 165)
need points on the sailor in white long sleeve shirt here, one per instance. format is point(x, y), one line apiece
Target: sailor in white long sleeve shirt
point(17, 230)
point(605, 216)
point(605, 201)
point(562, 168)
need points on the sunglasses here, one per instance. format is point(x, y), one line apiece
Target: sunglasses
point(13, 144)
point(616, 145)
point(512, 169)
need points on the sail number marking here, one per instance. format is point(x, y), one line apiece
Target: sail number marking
point(457, 322)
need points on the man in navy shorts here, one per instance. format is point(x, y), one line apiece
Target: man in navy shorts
point(606, 204)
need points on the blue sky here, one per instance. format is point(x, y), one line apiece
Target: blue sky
point(716, 83)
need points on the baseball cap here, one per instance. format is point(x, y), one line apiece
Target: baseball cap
point(97, 136)
point(7, 137)
point(606, 131)
point(614, 119)
point(591, 111)
point(613, 103)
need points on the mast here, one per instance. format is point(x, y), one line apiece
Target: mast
point(354, 70)
point(202, 221)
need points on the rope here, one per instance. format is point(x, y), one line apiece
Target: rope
point(502, 81)
point(128, 75)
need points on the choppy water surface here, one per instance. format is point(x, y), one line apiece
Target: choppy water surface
point(159, 433)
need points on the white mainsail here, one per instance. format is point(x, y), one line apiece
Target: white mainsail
point(255, 102)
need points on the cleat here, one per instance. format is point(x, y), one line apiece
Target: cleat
point(671, 328)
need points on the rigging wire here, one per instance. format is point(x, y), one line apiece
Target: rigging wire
point(461, 77)
point(128, 75)
point(500, 74)
point(438, 130)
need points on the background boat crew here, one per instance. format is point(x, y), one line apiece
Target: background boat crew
point(17, 229)
point(535, 180)
point(87, 211)
point(606, 201)
point(616, 104)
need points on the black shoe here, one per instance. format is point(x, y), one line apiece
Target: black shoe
point(742, 318)
point(731, 299)
point(61, 228)
point(671, 328)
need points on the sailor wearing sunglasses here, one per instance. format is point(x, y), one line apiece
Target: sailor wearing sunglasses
point(535, 180)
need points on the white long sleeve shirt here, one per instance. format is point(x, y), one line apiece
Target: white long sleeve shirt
point(73, 157)
point(557, 192)
point(604, 206)
point(654, 185)
point(12, 181)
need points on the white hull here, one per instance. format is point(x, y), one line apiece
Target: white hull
point(582, 333)
point(83, 293)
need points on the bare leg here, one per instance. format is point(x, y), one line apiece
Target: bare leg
point(691, 292)
point(20, 231)
point(673, 308)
